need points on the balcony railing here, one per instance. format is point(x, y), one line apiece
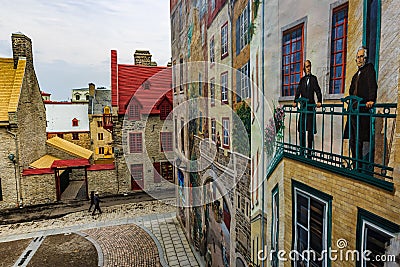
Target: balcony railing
point(335, 127)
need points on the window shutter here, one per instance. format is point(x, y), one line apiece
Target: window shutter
point(238, 87)
point(157, 176)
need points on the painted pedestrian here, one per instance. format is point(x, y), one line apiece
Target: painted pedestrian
point(96, 201)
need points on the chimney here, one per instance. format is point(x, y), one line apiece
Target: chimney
point(22, 47)
point(142, 57)
point(114, 78)
point(91, 89)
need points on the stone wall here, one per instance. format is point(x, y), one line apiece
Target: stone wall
point(150, 128)
point(103, 181)
point(38, 189)
point(9, 176)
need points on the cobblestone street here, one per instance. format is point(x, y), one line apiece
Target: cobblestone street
point(132, 234)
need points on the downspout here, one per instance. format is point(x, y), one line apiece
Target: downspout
point(17, 178)
point(263, 132)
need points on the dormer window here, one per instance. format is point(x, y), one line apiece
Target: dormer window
point(146, 85)
point(133, 112)
point(75, 122)
point(77, 97)
point(87, 97)
point(165, 109)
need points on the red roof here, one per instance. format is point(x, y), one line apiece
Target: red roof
point(27, 172)
point(101, 167)
point(45, 94)
point(127, 81)
point(66, 163)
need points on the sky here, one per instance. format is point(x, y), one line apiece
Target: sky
point(72, 39)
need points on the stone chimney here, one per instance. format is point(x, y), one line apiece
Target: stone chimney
point(142, 57)
point(91, 89)
point(22, 47)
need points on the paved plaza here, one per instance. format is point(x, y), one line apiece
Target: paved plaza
point(133, 234)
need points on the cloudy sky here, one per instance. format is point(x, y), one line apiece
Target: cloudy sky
point(72, 39)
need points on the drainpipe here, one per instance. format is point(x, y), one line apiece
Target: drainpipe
point(17, 178)
point(263, 132)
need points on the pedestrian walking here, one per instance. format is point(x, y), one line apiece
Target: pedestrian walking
point(96, 201)
point(91, 200)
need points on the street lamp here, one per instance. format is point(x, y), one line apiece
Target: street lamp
point(11, 157)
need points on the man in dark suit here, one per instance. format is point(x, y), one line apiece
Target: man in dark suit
point(308, 86)
point(363, 84)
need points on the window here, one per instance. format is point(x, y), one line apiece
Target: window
point(75, 136)
point(242, 30)
point(212, 91)
point(181, 74)
point(167, 171)
point(135, 142)
point(87, 97)
point(212, 52)
point(60, 135)
point(100, 136)
point(201, 122)
point(146, 85)
point(166, 141)
point(75, 122)
point(1, 191)
point(133, 111)
point(338, 50)
point(275, 226)
point(202, 34)
point(77, 97)
point(292, 59)
point(310, 224)
point(101, 150)
point(224, 87)
point(137, 172)
point(165, 109)
point(374, 234)
point(200, 84)
point(182, 135)
point(224, 40)
point(213, 130)
point(242, 79)
point(176, 133)
point(225, 129)
point(99, 124)
point(212, 2)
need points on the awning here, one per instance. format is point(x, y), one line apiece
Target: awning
point(70, 163)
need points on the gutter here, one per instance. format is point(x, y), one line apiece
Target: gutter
point(17, 177)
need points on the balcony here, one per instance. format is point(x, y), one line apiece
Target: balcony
point(107, 122)
point(331, 149)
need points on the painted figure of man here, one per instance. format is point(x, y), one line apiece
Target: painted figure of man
point(308, 87)
point(363, 84)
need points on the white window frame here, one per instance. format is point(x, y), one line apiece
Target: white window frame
point(224, 87)
point(224, 40)
point(244, 28)
point(244, 81)
point(213, 130)
point(325, 224)
point(225, 129)
point(212, 50)
point(366, 224)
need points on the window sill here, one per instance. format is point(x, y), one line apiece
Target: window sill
point(333, 96)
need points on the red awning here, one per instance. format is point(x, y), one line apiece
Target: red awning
point(69, 163)
point(27, 172)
